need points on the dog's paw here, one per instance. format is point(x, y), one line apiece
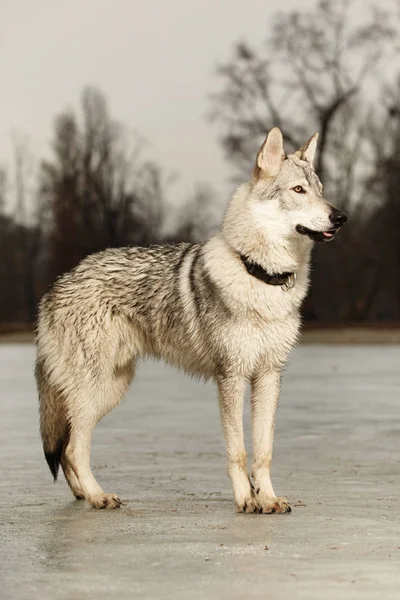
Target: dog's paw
point(270, 505)
point(105, 501)
point(249, 504)
point(245, 498)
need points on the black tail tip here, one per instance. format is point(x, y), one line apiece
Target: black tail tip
point(53, 460)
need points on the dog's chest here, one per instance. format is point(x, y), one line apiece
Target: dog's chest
point(263, 327)
point(254, 341)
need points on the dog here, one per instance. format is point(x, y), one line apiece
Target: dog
point(227, 309)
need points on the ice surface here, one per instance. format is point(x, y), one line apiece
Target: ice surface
point(337, 458)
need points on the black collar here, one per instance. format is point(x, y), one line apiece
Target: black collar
point(286, 280)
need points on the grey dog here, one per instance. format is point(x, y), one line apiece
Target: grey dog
point(227, 309)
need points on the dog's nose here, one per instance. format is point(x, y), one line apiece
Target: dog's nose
point(337, 217)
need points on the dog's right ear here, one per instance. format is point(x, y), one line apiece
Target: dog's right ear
point(270, 156)
point(307, 152)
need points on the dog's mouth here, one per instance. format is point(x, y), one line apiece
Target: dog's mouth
point(318, 236)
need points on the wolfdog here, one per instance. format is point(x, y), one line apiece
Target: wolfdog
point(226, 309)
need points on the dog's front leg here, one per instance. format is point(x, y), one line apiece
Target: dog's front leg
point(231, 398)
point(265, 389)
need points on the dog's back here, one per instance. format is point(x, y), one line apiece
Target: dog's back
point(122, 303)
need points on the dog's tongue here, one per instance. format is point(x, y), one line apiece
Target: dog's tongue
point(328, 234)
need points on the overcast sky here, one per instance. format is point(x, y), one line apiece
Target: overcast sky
point(154, 60)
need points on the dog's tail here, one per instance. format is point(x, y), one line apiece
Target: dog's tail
point(53, 423)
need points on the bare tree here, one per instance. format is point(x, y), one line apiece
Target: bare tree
point(101, 193)
point(7, 254)
point(28, 226)
point(313, 65)
point(384, 225)
point(97, 191)
point(319, 71)
point(3, 189)
point(20, 237)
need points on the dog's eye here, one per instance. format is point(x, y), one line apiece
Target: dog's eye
point(299, 190)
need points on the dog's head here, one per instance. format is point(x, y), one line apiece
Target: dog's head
point(288, 194)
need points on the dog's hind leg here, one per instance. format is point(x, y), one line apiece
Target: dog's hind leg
point(82, 422)
point(231, 398)
point(70, 476)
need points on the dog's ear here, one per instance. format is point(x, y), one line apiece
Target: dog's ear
point(270, 156)
point(307, 152)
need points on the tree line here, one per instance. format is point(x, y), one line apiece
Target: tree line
point(331, 69)
point(95, 192)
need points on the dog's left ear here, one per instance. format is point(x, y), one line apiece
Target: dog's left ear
point(307, 152)
point(270, 156)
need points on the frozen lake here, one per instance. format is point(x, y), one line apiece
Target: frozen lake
point(337, 459)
